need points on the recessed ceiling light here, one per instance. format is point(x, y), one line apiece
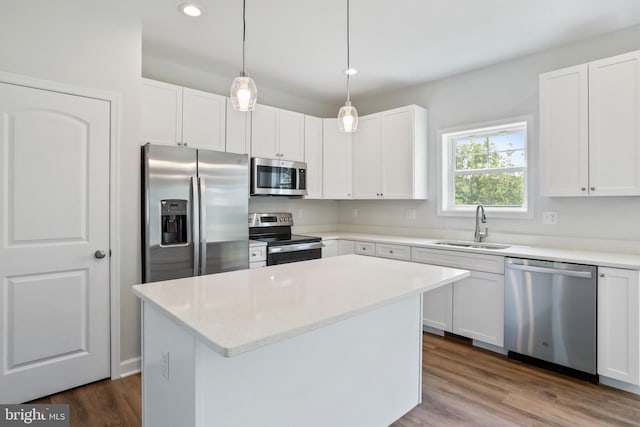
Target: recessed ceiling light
point(350, 71)
point(190, 9)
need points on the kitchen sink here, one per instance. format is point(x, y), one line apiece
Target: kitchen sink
point(475, 245)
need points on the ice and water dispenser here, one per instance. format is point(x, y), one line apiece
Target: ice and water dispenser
point(174, 222)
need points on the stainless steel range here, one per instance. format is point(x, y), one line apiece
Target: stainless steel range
point(282, 246)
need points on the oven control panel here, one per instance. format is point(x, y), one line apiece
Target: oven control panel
point(270, 219)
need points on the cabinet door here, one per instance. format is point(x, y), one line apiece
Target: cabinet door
point(618, 324)
point(366, 158)
point(264, 132)
point(160, 113)
point(238, 129)
point(397, 153)
point(336, 167)
point(564, 137)
point(437, 307)
point(478, 307)
point(290, 136)
point(329, 248)
point(203, 119)
point(313, 156)
point(346, 247)
point(614, 126)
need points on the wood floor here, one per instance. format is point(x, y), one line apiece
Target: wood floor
point(462, 386)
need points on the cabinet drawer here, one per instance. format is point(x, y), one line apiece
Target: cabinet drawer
point(464, 260)
point(257, 253)
point(366, 248)
point(393, 251)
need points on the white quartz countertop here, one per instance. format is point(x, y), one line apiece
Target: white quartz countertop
point(605, 259)
point(242, 310)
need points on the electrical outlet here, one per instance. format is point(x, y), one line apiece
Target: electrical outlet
point(550, 218)
point(300, 213)
point(411, 214)
point(355, 212)
point(164, 365)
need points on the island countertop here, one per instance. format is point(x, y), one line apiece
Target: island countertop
point(243, 310)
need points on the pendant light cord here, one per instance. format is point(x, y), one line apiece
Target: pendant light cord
point(244, 32)
point(348, 52)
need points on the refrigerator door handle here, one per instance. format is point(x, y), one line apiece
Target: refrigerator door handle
point(196, 226)
point(203, 223)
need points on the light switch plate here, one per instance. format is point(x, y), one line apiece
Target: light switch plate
point(550, 218)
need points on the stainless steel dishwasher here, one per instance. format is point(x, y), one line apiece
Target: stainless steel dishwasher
point(550, 315)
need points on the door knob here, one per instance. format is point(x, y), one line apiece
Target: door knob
point(99, 254)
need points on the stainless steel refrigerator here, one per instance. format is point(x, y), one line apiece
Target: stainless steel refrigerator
point(195, 205)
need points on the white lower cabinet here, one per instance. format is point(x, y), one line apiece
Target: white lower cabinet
point(329, 248)
point(472, 307)
point(619, 324)
point(346, 247)
point(257, 256)
point(437, 308)
point(478, 307)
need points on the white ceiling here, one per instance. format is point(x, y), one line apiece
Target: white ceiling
point(300, 45)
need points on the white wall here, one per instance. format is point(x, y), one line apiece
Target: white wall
point(503, 90)
point(308, 215)
point(93, 44)
point(156, 67)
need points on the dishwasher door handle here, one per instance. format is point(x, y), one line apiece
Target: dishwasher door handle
point(534, 269)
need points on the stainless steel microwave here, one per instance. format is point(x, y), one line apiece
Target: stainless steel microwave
point(270, 177)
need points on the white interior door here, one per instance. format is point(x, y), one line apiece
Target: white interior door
point(54, 217)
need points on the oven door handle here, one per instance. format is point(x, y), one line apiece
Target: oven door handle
point(294, 247)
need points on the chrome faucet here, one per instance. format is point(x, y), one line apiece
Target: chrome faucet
point(479, 235)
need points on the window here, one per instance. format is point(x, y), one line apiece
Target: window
point(485, 165)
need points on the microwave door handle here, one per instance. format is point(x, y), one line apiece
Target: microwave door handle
point(203, 226)
point(195, 227)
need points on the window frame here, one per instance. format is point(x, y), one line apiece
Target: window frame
point(446, 174)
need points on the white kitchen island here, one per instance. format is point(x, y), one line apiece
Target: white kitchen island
point(329, 342)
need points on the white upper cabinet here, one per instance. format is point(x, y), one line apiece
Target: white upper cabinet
point(172, 114)
point(313, 156)
point(590, 129)
point(161, 113)
point(238, 130)
point(336, 167)
point(277, 134)
point(203, 119)
point(390, 155)
point(614, 126)
point(366, 158)
point(403, 153)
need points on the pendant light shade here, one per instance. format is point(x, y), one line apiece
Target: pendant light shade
point(244, 93)
point(348, 116)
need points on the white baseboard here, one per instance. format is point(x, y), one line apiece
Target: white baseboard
point(631, 388)
point(432, 330)
point(490, 347)
point(130, 367)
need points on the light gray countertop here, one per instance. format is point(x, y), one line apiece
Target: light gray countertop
point(605, 259)
point(238, 311)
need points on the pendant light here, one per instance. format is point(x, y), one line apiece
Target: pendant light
point(348, 116)
point(244, 93)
